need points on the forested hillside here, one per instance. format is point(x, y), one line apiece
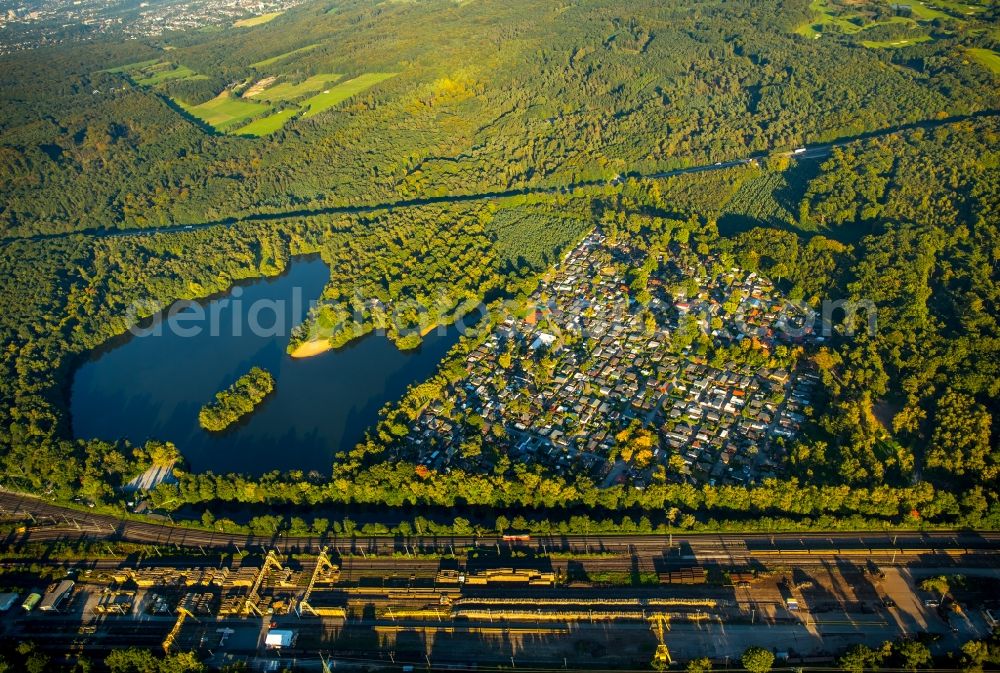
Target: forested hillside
point(564, 108)
point(504, 95)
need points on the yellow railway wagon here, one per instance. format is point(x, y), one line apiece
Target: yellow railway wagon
point(424, 595)
point(417, 614)
point(510, 576)
point(447, 577)
point(560, 615)
point(482, 630)
point(684, 602)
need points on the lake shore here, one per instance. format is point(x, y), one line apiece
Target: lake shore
point(308, 349)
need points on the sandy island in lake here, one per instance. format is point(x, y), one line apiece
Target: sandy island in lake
point(309, 348)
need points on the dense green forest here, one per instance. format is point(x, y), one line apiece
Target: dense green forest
point(512, 97)
point(504, 95)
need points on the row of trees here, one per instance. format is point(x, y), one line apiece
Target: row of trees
point(519, 486)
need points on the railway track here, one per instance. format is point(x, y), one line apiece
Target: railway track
point(49, 522)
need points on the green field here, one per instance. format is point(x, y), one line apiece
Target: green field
point(280, 57)
point(224, 111)
point(257, 20)
point(267, 125)
point(986, 57)
point(959, 8)
point(895, 44)
point(825, 16)
point(851, 23)
point(290, 91)
point(343, 91)
point(925, 13)
point(155, 71)
point(162, 72)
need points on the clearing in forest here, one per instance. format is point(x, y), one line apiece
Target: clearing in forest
point(895, 44)
point(223, 111)
point(291, 90)
point(281, 57)
point(163, 72)
point(959, 8)
point(257, 20)
point(343, 91)
point(154, 71)
point(925, 13)
point(986, 57)
point(259, 86)
point(850, 22)
point(267, 125)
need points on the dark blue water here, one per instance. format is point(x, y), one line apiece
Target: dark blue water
point(151, 387)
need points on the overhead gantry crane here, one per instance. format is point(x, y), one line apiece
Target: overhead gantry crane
point(323, 565)
point(660, 624)
point(251, 605)
point(182, 614)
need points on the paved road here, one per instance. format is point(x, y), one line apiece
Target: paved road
point(52, 522)
point(816, 151)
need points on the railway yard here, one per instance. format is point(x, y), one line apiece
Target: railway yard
point(492, 601)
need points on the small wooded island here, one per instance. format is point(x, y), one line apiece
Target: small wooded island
point(237, 400)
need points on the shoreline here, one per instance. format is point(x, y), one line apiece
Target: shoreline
point(308, 349)
point(313, 347)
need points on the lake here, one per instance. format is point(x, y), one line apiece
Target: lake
point(152, 387)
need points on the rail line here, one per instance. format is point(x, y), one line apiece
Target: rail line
point(65, 523)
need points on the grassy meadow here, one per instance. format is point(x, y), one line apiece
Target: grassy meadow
point(257, 20)
point(163, 72)
point(267, 125)
point(343, 91)
point(284, 91)
point(281, 57)
point(986, 57)
point(224, 111)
